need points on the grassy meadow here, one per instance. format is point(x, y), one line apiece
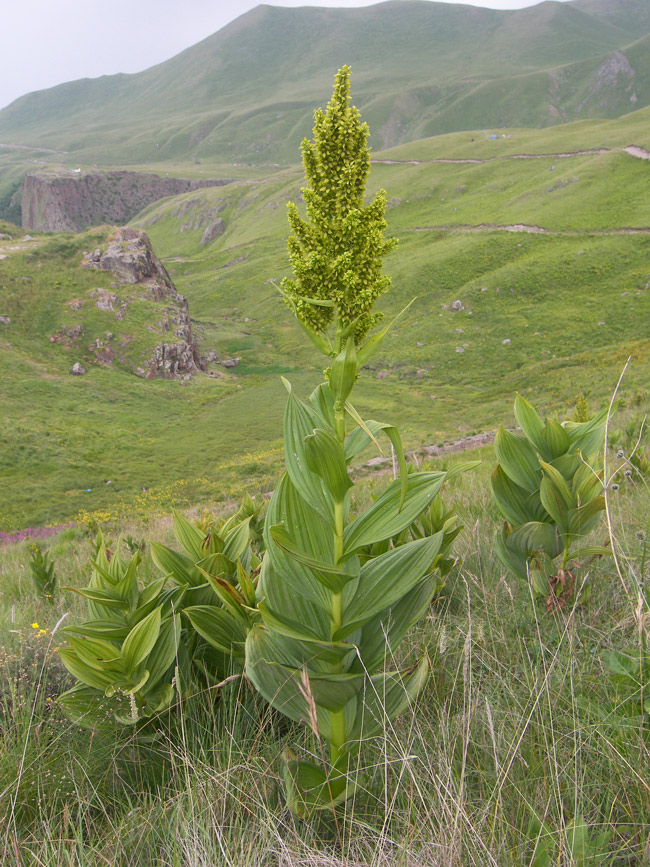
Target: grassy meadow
point(553, 314)
point(520, 749)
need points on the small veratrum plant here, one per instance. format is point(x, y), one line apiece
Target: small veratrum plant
point(218, 570)
point(336, 596)
point(142, 644)
point(42, 572)
point(124, 655)
point(548, 485)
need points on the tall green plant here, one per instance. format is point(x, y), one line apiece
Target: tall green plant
point(548, 486)
point(333, 611)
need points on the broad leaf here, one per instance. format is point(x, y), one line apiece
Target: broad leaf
point(387, 579)
point(141, 639)
point(325, 457)
point(300, 421)
point(532, 425)
point(518, 459)
point(218, 627)
point(510, 498)
point(388, 516)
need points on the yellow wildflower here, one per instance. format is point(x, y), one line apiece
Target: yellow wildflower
point(35, 626)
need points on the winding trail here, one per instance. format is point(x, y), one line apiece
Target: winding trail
point(531, 230)
point(632, 150)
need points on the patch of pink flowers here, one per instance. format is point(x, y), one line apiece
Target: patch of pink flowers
point(32, 533)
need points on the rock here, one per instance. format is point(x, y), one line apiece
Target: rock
point(105, 355)
point(459, 349)
point(419, 344)
point(382, 374)
point(212, 356)
point(213, 231)
point(506, 341)
point(78, 369)
point(59, 201)
point(422, 371)
point(75, 304)
point(107, 300)
point(5, 320)
point(109, 335)
point(230, 362)
point(457, 305)
point(28, 238)
point(4, 237)
point(248, 319)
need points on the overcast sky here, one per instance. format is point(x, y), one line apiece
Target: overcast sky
point(46, 42)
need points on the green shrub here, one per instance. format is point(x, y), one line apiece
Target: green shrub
point(548, 485)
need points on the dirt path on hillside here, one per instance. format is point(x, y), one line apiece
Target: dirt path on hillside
point(17, 147)
point(632, 150)
point(468, 228)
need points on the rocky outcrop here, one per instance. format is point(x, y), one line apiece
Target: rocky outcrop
point(75, 200)
point(130, 257)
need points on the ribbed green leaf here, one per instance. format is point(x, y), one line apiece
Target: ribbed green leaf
point(381, 636)
point(90, 675)
point(289, 586)
point(218, 627)
point(109, 630)
point(515, 561)
point(103, 597)
point(189, 536)
point(511, 500)
point(331, 576)
point(325, 457)
point(322, 401)
point(237, 541)
point(300, 421)
point(141, 639)
point(98, 653)
point(588, 437)
point(387, 517)
point(535, 536)
point(560, 483)
point(556, 437)
point(553, 502)
point(368, 349)
point(518, 459)
point(343, 374)
point(587, 483)
point(584, 519)
point(164, 652)
point(179, 566)
point(387, 579)
point(532, 426)
point(278, 684)
point(590, 551)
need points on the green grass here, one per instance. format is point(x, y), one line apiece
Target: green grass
point(546, 293)
point(519, 727)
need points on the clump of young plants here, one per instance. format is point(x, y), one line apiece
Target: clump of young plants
point(336, 596)
point(141, 644)
point(123, 656)
point(42, 571)
point(548, 485)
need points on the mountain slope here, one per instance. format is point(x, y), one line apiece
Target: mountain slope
point(419, 68)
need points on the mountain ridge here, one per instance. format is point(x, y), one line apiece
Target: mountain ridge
point(417, 65)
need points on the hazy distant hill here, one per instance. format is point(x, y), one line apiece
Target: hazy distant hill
point(420, 68)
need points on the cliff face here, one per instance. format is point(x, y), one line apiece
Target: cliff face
point(74, 201)
point(129, 256)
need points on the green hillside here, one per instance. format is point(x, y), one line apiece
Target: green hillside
point(421, 68)
point(553, 312)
